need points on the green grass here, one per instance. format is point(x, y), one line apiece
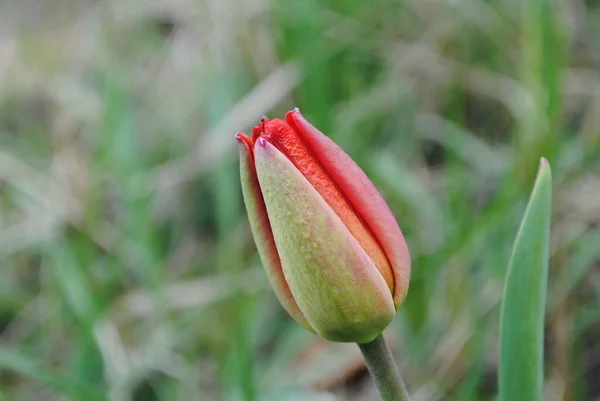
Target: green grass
point(128, 269)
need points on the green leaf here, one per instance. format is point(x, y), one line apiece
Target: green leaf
point(522, 319)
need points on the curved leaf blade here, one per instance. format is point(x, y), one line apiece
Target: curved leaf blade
point(521, 373)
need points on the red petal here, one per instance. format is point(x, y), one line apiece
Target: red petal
point(259, 129)
point(363, 196)
point(261, 230)
point(286, 139)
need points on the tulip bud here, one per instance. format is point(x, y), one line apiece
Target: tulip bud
point(331, 248)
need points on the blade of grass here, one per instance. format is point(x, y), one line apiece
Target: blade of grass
point(68, 386)
point(524, 304)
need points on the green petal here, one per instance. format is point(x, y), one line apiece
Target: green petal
point(335, 284)
point(263, 237)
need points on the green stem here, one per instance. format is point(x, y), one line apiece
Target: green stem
point(384, 371)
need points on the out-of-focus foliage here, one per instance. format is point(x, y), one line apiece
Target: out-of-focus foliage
point(128, 269)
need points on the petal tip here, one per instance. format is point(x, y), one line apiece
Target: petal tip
point(243, 139)
point(293, 112)
point(291, 117)
point(262, 142)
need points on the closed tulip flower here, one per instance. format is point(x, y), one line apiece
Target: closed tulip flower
point(331, 248)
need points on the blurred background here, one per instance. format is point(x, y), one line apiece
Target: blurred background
point(128, 271)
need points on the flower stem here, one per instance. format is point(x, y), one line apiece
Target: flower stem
point(384, 371)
